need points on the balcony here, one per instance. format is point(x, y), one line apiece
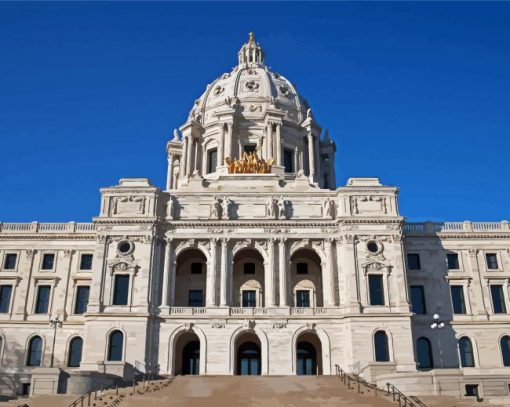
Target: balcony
point(47, 228)
point(426, 228)
point(179, 312)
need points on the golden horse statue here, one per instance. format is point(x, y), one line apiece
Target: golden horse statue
point(249, 164)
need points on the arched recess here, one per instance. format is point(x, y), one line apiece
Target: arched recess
point(264, 347)
point(172, 345)
point(35, 351)
point(248, 281)
point(191, 277)
point(325, 347)
point(306, 278)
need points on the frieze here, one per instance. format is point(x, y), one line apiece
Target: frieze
point(218, 324)
point(279, 324)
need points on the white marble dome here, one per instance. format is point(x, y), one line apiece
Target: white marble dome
point(251, 88)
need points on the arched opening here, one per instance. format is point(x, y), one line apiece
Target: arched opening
point(306, 279)
point(248, 279)
point(115, 346)
point(248, 355)
point(187, 354)
point(424, 353)
point(34, 357)
point(381, 348)
point(308, 355)
point(467, 357)
point(75, 350)
point(190, 279)
point(505, 350)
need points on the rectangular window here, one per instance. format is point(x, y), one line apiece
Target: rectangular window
point(288, 160)
point(121, 290)
point(413, 261)
point(459, 305)
point(196, 268)
point(498, 299)
point(249, 298)
point(249, 268)
point(472, 390)
point(195, 298)
point(418, 299)
point(375, 285)
point(453, 261)
point(86, 262)
point(302, 298)
point(302, 268)
point(48, 261)
point(5, 298)
point(82, 299)
point(492, 261)
point(212, 160)
point(10, 261)
point(43, 299)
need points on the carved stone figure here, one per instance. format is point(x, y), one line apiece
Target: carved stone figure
point(282, 208)
point(329, 209)
point(216, 209)
point(271, 208)
point(225, 208)
point(170, 209)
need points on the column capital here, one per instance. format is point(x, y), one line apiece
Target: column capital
point(282, 240)
point(224, 241)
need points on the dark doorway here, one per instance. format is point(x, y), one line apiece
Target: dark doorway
point(248, 359)
point(191, 358)
point(306, 363)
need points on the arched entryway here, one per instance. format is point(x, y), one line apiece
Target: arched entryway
point(308, 355)
point(248, 355)
point(187, 354)
point(306, 279)
point(248, 279)
point(190, 279)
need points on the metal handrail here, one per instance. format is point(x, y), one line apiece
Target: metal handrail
point(402, 399)
point(88, 395)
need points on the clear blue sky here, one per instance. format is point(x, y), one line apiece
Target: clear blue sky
point(417, 94)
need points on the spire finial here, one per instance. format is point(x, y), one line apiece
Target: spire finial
point(251, 38)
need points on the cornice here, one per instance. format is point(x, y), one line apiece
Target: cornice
point(53, 236)
point(467, 235)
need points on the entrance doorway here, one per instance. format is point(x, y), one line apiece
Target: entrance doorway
point(306, 363)
point(191, 358)
point(248, 359)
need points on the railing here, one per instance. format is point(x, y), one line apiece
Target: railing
point(86, 398)
point(448, 227)
point(248, 311)
point(391, 391)
point(308, 311)
point(188, 311)
point(36, 227)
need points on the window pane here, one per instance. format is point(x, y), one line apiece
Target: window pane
point(10, 261)
point(302, 298)
point(302, 268)
point(466, 353)
point(288, 160)
point(43, 299)
point(453, 261)
point(249, 298)
point(492, 261)
point(375, 284)
point(212, 160)
point(82, 299)
point(424, 351)
point(121, 290)
point(5, 298)
point(381, 347)
point(459, 307)
point(195, 298)
point(48, 261)
point(413, 261)
point(35, 352)
point(115, 346)
point(505, 350)
point(498, 299)
point(418, 299)
point(196, 268)
point(86, 262)
point(75, 350)
point(249, 268)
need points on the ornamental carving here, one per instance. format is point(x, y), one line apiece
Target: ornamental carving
point(252, 86)
point(129, 205)
point(218, 90)
point(284, 90)
point(218, 324)
point(279, 324)
point(249, 164)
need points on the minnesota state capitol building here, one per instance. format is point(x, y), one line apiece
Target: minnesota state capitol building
point(252, 262)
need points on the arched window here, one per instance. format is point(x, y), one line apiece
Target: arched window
point(75, 348)
point(34, 351)
point(424, 351)
point(505, 350)
point(115, 346)
point(467, 358)
point(382, 353)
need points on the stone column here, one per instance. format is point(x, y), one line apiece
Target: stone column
point(211, 276)
point(183, 171)
point(196, 146)
point(168, 275)
point(224, 271)
point(328, 280)
point(228, 141)
point(170, 172)
point(270, 152)
point(311, 154)
point(221, 147)
point(282, 260)
point(351, 274)
point(190, 154)
point(317, 156)
point(269, 276)
point(22, 286)
point(278, 145)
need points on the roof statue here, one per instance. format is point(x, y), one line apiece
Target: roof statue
point(249, 164)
